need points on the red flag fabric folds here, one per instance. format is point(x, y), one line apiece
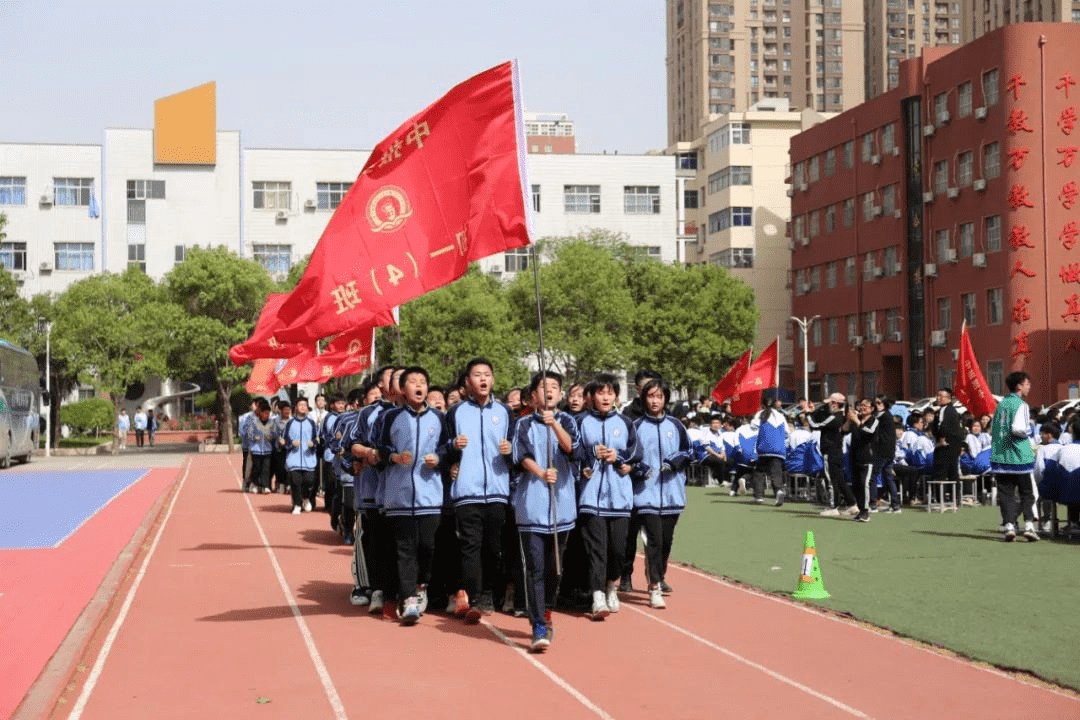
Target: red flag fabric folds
point(347, 354)
point(729, 384)
point(760, 375)
point(444, 189)
point(263, 343)
point(263, 379)
point(971, 388)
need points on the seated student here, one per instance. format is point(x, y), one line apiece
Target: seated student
point(1049, 448)
point(918, 450)
point(799, 431)
point(1058, 478)
point(712, 443)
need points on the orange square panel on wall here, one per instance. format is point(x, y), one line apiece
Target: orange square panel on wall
point(185, 127)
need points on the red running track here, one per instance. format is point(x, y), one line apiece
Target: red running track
point(239, 609)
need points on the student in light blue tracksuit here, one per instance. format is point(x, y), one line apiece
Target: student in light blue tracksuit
point(260, 433)
point(609, 449)
point(479, 431)
point(343, 502)
point(659, 483)
point(298, 438)
point(771, 451)
point(543, 449)
point(327, 438)
point(410, 438)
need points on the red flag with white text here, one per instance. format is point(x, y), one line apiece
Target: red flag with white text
point(971, 388)
point(729, 384)
point(263, 343)
point(347, 354)
point(759, 376)
point(444, 189)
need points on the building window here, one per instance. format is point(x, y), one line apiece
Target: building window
point(870, 382)
point(13, 255)
point(888, 199)
point(963, 168)
point(870, 323)
point(993, 233)
point(830, 218)
point(941, 176)
point(516, 260)
point(994, 306)
point(941, 108)
point(146, 189)
point(272, 195)
point(86, 392)
point(815, 223)
point(944, 313)
point(868, 266)
point(830, 275)
point(849, 271)
point(867, 206)
point(274, 258)
point(967, 239)
point(641, 199)
point(137, 256)
point(815, 330)
point(867, 147)
point(536, 198)
point(815, 279)
point(852, 327)
point(330, 194)
point(834, 331)
point(815, 168)
point(849, 154)
point(734, 258)
point(963, 100)
point(581, 199)
point(995, 369)
point(690, 198)
point(849, 212)
point(12, 190)
point(892, 321)
point(991, 160)
point(800, 227)
point(967, 301)
point(852, 384)
point(136, 212)
point(179, 253)
point(888, 137)
point(830, 163)
point(990, 87)
point(72, 191)
point(892, 263)
point(74, 256)
point(942, 241)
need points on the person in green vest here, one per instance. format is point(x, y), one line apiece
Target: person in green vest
point(1011, 457)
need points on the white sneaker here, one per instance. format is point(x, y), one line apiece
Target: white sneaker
point(295, 509)
point(599, 605)
point(656, 599)
point(1029, 532)
point(1010, 532)
point(307, 506)
point(421, 598)
point(508, 600)
point(376, 604)
point(613, 597)
point(830, 512)
point(266, 491)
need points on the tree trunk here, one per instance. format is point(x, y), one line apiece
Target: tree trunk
point(225, 390)
point(116, 422)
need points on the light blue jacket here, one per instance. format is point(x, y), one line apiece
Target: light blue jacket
point(664, 443)
point(607, 493)
point(260, 436)
point(772, 435)
point(367, 484)
point(413, 489)
point(531, 497)
point(483, 472)
point(303, 457)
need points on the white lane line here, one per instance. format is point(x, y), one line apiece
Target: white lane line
point(750, 663)
point(106, 647)
point(882, 634)
point(108, 502)
point(305, 632)
point(555, 678)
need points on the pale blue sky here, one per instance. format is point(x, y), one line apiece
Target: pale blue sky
point(327, 75)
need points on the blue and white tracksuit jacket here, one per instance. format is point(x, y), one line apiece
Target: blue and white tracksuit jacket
point(483, 472)
point(607, 493)
point(342, 430)
point(240, 426)
point(367, 484)
point(303, 457)
point(414, 489)
point(326, 434)
point(772, 435)
point(530, 497)
point(260, 436)
point(665, 449)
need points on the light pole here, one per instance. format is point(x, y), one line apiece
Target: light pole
point(48, 377)
point(804, 323)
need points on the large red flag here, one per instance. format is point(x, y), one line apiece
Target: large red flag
point(347, 354)
point(263, 379)
point(444, 189)
point(760, 375)
point(729, 384)
point(263, 343)
point(971, 388)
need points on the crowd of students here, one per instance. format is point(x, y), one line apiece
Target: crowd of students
point(449, 493)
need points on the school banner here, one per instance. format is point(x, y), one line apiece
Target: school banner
point(729, 384)
point(971, 388)
point(444, 189)
point(760, 375)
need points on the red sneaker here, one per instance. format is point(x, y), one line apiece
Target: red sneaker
point(389, 610)
point(550, 625)
point(461, 603)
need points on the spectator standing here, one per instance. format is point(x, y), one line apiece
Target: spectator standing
point(151, 425)
point(949, 435)
point(140, 426)
point(123, 424)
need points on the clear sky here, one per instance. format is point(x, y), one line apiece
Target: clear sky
point(312, 74)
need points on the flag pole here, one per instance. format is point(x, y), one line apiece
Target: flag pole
point(543, 384)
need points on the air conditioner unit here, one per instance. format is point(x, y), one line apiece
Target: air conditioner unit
point(928, 130)
point(875, 159)
point(876, 338)
point(802, 187)
point(950, 255)
point(896, 336)
point(791, 192)
point(281, 215)
point(804, 240)
point(930, 270)
point(979, 260)
point(897, 213)
point(19, 275)
point(811, 366)
point(952, 192)
point(956, 354)
point(45, 266)
point(980, 113)
point(928, 197)
point(875, 211)
point(937, 338)
point(804, 287)
point(879, 271)
point(979, 184)
point(856, 341)
point(943, 117)
point(896, 151)
point(46, 199)
point(310, 204)
point(496, 269)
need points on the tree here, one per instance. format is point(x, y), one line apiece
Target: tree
point(442, 330)
point(116, 330)
point(221, 295)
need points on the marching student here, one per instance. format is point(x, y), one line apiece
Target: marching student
point(298, 440)
point(1012, 460)
point(343, 502)
point(609, 449)
point(318, 414)
point(544, 446)
point(245, 447)
point(277, 462)
point(335, 406)
point(260, 434)
point(660, 490)
point(410, 437)
point(771, 451)
point(479, 430)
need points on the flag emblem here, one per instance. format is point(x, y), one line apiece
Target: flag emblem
point(388, 209)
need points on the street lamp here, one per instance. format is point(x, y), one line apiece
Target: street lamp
point(804, 323)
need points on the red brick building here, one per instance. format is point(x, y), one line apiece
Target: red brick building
point(954, 196)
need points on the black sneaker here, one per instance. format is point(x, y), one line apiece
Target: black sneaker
point(358, 596)
point(863, 516)
point(626, 585)
point(665, 588)
point(487, 603)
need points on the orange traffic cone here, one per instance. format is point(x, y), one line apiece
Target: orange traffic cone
point(810, 587)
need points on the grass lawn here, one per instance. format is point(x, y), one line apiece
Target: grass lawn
point(946, 579)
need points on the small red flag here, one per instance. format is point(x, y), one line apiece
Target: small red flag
point(760, 375)
point(263, 343)
point(263, 379)
point(971, 388)
point(444, 189)
point(347, 354)
point(729, 384)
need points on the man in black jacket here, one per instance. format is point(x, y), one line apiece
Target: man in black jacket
point(949, 435)
point(828, 420)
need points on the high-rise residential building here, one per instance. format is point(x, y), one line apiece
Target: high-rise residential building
point(724, 56)
point(982, 16)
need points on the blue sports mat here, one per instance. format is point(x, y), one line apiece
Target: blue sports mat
point(41, 509)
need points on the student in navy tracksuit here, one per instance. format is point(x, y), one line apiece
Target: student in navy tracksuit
point(298, 438)
point(543, 448)
point(479, 431)
point(410, 438)
point(343, 501)
point(609, 449)
point(660, 487)
point(327, 436)
point(363, 495)
point(260, 433)
point(771, 452)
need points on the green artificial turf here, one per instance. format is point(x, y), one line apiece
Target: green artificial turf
point(946, 579)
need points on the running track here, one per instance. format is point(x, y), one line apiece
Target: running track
point(235, 608)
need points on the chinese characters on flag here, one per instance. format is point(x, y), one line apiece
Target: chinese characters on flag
point(729, 384)
point(971, 388)
point(761, 374)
